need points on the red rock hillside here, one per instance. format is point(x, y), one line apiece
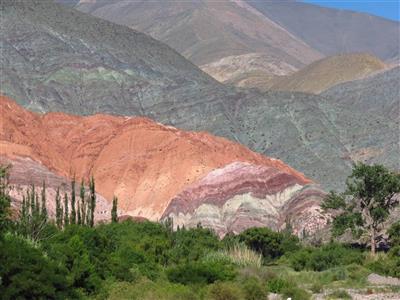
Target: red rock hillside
point(158, 171)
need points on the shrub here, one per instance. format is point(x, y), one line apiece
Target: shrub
point(278, 284)
point(325, 257)
point(26, 273)
point(317, 287)
point(386, 264)
point(394, 234)
point(339, 294)
point(225, 291)
point(253, 290)
point(295, 293)
point(145, 289)
point(269, 243)
point(201, 273)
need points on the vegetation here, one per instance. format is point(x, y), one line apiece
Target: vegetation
point(70, 258)
point(367, 202)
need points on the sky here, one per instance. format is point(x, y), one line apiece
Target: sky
point(389, 9)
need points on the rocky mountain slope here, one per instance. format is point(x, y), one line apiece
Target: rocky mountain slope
point(327, 72)
point(58, 59)
point(159, 171)
point(370, 110)
point(210, 31)
point(272, 37)
point(53, 65)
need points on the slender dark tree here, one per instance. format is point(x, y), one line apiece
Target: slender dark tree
point(58, 209)
point(83, 204)
point(114, 210)
point(5, 200)
point(37, 206)
point(31, 195)
point(79, 219)
point(66, 210)
point(92, 203)
point(44, 208)
point(73, 211)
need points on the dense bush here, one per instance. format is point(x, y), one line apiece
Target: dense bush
point(201, 273)
point(253, 289)
point(296, 293)
point(26, 273)
point(394, 234)
point(386, 264)
point(225, 291)
point(325, 257)
point(269, 243)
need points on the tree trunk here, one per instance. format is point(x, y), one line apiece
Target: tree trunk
point(373, 242)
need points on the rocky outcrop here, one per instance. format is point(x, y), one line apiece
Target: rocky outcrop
point(152, 168)
point(242, 195)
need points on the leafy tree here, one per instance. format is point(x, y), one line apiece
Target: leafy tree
point(5, 199)
point(66, 210)
point(366, 203)
point(73, 210)
point(114, 212)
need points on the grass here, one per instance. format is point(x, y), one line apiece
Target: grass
point(239, 254)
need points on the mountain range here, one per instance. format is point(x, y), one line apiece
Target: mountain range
point(275, 37)
point(59, 59)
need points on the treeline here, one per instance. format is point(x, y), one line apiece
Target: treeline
point(72, 259)
point(69, 210)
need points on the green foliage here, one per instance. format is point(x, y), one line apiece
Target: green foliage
point(5, 200)
point(66, 210)
point(278, 284)
point(32, 218)
point(253, 289)
point(394, 234)
point(28, 274)
point(59, 213)
point(201, 273)
point(366, 203)
point(43, 198)
point(269, 243)
point(295, 293)
point(145, 289)
point(339, 294)
point(92, 202)
point(325, 257)
point(114, 210)
point(73, 203)
point(225, 291)
point(386, 264)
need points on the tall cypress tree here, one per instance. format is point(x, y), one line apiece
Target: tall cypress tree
point(58, 209)
point(79, 220)
point(44, 208)
point(83, 204)
point(73, 211)
point(66, 210)
point(114, 210)
point(92, 205)
point(32, 200)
